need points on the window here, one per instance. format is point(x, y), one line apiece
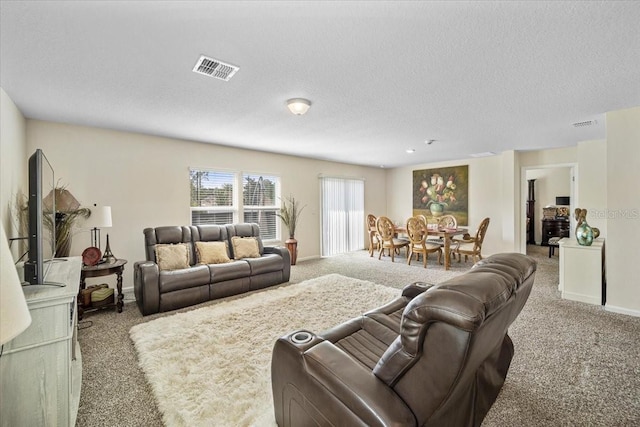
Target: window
point(260, 203)
point(212, 197)
point(215, 199)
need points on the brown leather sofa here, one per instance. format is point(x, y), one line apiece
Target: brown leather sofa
point(158, 291)
point(436, 356)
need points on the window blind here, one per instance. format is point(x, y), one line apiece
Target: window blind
point(212, 197)
point(259, 197)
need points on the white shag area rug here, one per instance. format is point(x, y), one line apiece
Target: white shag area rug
point(212, 366)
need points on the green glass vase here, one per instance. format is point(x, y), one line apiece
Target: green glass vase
point(584, 234)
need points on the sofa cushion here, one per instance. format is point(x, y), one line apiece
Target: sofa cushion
point(191, 277)
point(229, 271)
point(244, 230)
point(212, 252)
point(267, 263)
point(245, 247)
point(172, 257)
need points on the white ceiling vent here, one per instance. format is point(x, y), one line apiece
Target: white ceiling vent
point(215, 68)
point(585, 123)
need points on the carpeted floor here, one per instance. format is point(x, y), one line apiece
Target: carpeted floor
point(574, 364)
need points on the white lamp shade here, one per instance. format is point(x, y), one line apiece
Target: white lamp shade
point(100, 217)
point(298, 106)
point(14, 313)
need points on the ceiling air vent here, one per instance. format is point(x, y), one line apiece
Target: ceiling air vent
point(585, 123)
point(215, 68)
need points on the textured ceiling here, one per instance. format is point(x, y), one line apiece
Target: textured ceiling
point(382, 76)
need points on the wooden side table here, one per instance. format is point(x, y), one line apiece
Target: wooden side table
point(105, 269)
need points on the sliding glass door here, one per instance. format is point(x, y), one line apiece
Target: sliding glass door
point(342, 215)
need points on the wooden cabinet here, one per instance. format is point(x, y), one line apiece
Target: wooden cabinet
point(582, 273)
point(558, 227)
point(41, 369)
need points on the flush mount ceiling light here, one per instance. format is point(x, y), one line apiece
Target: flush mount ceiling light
point(430, 141)
point(298, 106)
point(411, 150)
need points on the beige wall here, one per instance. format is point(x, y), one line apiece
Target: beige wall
point(592, 182)
point(623, 210)
point(13, 163)
point(145, 180)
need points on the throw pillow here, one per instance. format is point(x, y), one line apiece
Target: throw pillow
point(212, 252)
point(172, 257)
point(245, 247)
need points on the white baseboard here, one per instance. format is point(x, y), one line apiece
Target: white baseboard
point(307, 258)
point(580, 297)
point(622, 310)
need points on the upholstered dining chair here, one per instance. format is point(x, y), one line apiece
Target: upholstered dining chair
point(471, 246)
point(445, 221)
point(418, 245)
point(388, 240)
point(374, 241)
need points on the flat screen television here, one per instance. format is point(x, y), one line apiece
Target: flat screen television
point(41, 220)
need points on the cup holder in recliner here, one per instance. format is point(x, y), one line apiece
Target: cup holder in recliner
point(301, 337)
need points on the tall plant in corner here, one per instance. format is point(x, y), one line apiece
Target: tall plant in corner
point(290, 214)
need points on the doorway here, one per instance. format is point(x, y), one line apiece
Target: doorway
point(551, 181)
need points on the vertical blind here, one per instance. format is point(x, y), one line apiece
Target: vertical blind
point(342, 215)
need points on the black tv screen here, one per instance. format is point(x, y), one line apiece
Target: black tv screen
point(42, 234)
point(562, 201)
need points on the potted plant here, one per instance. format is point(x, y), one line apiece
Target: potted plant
point(68, 211)
point(290, 214)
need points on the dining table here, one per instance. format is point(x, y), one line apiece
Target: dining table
point(445, 233)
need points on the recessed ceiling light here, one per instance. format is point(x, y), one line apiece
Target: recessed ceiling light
point(411, 150)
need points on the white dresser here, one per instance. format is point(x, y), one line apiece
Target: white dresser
point(41, 369)
point(582, 274)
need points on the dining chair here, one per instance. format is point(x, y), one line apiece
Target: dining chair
point(388, 240)
point(374, 241)
point(422, 218)
point(471, 246)
point(445, 221)
point(417, 232)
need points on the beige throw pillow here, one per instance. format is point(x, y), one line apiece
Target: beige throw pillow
point(212, 252)
point(172, 257)
point(245, 247)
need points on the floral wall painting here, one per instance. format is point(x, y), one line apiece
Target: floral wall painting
point(442, 191)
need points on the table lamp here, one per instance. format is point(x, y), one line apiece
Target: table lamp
point(100, 218)
point(14, 313)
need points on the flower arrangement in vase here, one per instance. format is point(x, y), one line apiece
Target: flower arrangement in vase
point(436, 194)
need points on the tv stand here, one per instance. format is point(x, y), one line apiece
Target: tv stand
point(45, 359)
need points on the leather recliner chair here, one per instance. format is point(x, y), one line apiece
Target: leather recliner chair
point(436, 356)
